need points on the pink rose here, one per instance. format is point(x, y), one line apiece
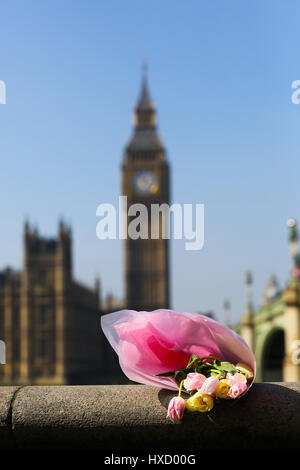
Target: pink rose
point(194, 381)
point(237, 389)
point(176, 409)
point(210, 386)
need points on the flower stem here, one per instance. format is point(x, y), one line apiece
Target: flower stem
point(218, 371)
point(208, 357)
point(180, 388)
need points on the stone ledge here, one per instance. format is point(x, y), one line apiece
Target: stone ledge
point(7, 395)
point(134, 417)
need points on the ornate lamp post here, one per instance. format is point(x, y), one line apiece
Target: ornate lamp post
point(226, 312)
point(291, 299)
point(249, 291)
point(294, 253)
point(247, 318)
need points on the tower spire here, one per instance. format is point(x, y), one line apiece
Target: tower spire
point(144, 102)
point(145, 68)
point(294, 253)
point(249, 291)
point(226, 312)
point(247, 318)
point(145, 136)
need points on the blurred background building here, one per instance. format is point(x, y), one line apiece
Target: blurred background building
point(51, 323)
point(145, 176)
point(273, 330)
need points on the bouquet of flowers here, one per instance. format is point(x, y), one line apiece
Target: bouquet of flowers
point(181, 351)
point(204, 379)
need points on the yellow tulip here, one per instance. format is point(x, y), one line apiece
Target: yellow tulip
point(223, 389)
point(200, 402)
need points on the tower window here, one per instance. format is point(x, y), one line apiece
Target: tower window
point(42, 278)
point(42, 348)
point(43, 315)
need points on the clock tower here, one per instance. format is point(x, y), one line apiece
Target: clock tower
point(145, 180)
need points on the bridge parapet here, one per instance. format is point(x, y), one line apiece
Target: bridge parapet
point(134, 417)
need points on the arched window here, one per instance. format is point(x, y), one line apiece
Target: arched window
point(273, 356)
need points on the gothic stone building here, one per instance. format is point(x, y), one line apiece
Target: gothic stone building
point(273, 334)
point(49, 322)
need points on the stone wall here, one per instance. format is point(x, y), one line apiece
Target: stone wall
point(134, 417)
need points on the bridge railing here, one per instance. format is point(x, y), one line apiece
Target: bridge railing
point(134, 417)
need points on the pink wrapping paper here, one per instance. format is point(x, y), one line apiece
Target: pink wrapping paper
point(150, 343)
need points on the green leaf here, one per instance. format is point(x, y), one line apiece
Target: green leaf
point(166, 374)
point(227, 367)
point(199, 368)
point(195, 364)
point(194, 360)
point(205, 370)
point(214, 374)
point(180, 375)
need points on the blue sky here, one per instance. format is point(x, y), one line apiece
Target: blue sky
point(220, 74)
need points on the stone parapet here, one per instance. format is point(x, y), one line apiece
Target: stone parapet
point(134, 417)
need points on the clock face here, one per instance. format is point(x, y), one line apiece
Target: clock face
point(145, 182)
